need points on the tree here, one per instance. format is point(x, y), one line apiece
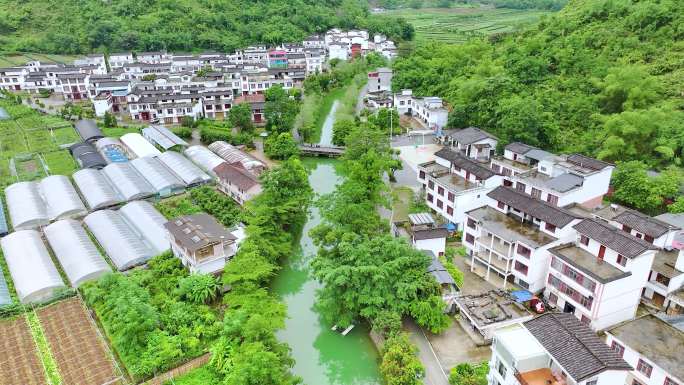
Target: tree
point(467, 374)
point(634, 187)
point(189, 122)
point(627, 88)
point(204, 71)
point(387, 120)
point(677, 206)
point(281, 146)
point(199, 288)
point(400, 364)
point(240, 116)
point(306, 133)
point(341, 130)
point(280, 111)
point(109, 120)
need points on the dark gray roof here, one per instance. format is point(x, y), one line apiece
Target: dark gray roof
point(87, 156)
point(613, 238)
point(519, 148)
point(438, 270)
point(459, 160)
point(587, 162)
point(87, 129)
point(565, 182)
point(535, 207)
point(588, 263)
point(643, 223)
point(538, 154)
point(574, 345)
point(434, 233)
point(197, 231)
point(470, 135)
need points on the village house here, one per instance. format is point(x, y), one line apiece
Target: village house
point(425, 234)
point(380, 80)
point(237, 182)
point(471, 142)
point(118, 60)
point(553, 349)
point(652, 347)
point(257, 103)
point(201, 243)
point(429, 111)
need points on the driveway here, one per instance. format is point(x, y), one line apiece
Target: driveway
point(434, 372)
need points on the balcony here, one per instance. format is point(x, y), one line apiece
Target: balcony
point(542, 376)
point(495, 245)
point(503, 266)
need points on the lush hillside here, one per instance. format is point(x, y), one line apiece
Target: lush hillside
point(603, 77)
point(83, 26)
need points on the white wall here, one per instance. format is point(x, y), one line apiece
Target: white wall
point(436, 245)
point(632, 357)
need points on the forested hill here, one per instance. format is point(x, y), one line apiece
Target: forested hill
point(84, 26)
point(602, 77)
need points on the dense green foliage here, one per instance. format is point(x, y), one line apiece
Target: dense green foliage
point(202, 199)
point(280, 110)
point(467, 374)
point(400, 364)
point(634, 187)
point(281, 146)
point(570, 84)
point(248, 351)
point(212, 131)
point(145, 316)
point(240, 117)
point(367, 274)
point(553, 5)
point(82, 26)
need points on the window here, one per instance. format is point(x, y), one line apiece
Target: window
point(500, 205)
point(429, 198)
point(521, 267)
point(553, 299)
point(440, 190)
point(626, 229)
point(536, 193)
point(644, 368)
point(549, 227)
point(501, 369)
point(592, 382)
point(585, 320)
point(470, 238)
point(635, 382)
point(431, 185)
point(450, 210)
point(524, 251)
point(520, 187)
point(552, 199)
point(617, 348)
point(621, 260)
point(440, 204)
point(584, 240)
point(669, 381)
point(421, 174)
point(451, 196)
point(496, 168)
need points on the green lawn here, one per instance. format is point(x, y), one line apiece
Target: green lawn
point(455, 25)
point(60, 162)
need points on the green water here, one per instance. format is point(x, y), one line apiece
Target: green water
point(322, 357)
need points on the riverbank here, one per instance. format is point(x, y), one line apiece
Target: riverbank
point(315, 109)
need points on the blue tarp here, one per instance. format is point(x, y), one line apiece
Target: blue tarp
point(451, 227)
point(521, 295)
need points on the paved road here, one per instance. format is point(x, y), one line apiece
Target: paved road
point(434, 374)
point(359, 102)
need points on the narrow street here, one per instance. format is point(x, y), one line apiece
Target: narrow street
point(434, 373)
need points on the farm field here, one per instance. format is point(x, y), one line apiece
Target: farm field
point(79, 351)
point(10, 60)
point(456, 25)
point(19, 362)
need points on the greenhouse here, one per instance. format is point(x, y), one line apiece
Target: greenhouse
point(121, 243)
point(87, 156)
point(4, 229)
point(61, 198)
point(112, 150)
point(190, 174)
point(96, 189)
point(163, 137)
point(26, 207)
point(139, 146)
point(88, 131)
point(5, 297)
point(158, 176)
point(148, 222)
point(232, 154)
point(35, 276)
point(76, 252)
point(127, 181)
point(204, 158)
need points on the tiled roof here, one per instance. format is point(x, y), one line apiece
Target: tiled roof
point(196, 231)
point(459, 160)
point(519, 148)
point(574, 346)
point(535, 207)
point(587, 162)
point(643, 223)
point(613, 238)
point(236, 175)
point(434, 233)
point(470, 135)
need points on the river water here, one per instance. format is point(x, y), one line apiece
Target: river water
point(322, 356)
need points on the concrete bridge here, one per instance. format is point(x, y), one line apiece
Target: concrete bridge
point(317, 150)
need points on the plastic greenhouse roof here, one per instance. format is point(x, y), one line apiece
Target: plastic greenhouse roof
point(148, 222)
point(138, 145)
point(5, 297)
point(204, 158)
point(76, 252)
point(163, 137)
point(156, 174)
point(184, 168)
point(96, 189)
point(123, 245)
point(232, 154)
point(25, 205)
point(127, 181)
point(3, 221)
point(61, 198)
point(35, 276)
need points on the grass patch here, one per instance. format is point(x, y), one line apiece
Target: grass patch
point(457, 24)
point(60, 162)
point(203, 375)
point(402, 198)
point(49, 364)
point(119, 131)
point(315, 109)
point(347, 107)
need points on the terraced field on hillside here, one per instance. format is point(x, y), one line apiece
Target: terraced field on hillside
point(455, 25)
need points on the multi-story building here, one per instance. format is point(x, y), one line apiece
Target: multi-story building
point(74, 86)
point(600, 276)
point(314, 60)
point(237, 182)
point(277, 58)
point(429, 110)
point(118, 60)
point(472, 142)
point(652, 347)
point(511, 237)
point(559, 180)
point(555, 349)
point(454, 184)
point(380, 80)
point(12, 78)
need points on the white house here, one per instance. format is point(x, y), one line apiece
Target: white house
point(429, 110)
point(118, 60)
point(471, 142)
point(426, 235)
point(201, 243)
point(380, 80)
point(600, 276)
point(237, 182)
point(652, 347)
point(553, 349)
